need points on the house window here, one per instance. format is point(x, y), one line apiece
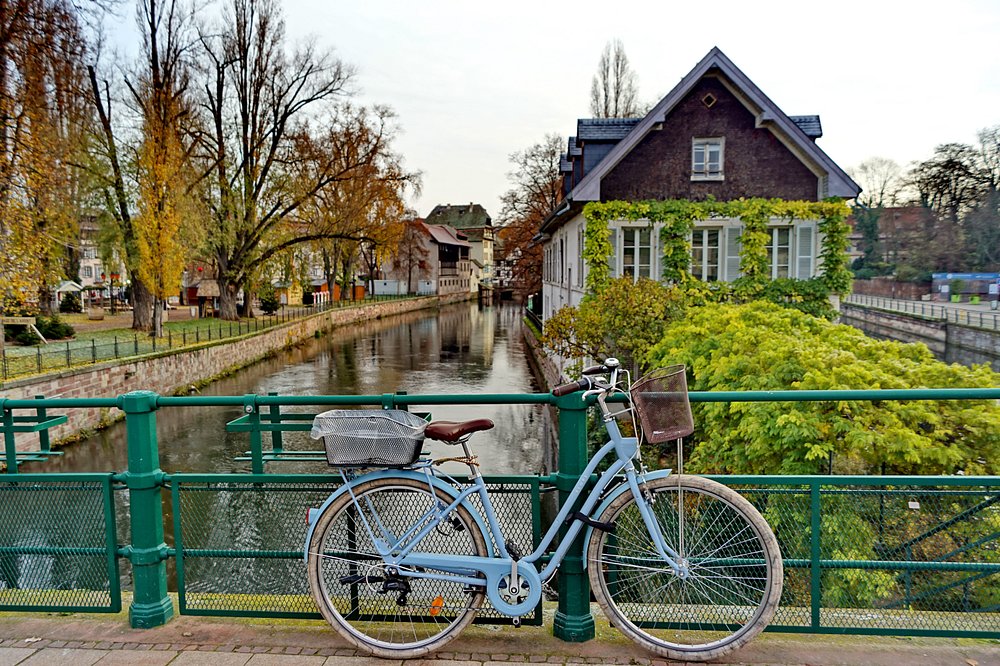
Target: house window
point(705, 254)
point(779, 251)
point(707, 159)
point(88, 271)
point(562, 260)
point(637, 252)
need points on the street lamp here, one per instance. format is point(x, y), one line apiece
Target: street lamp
point(114, 278)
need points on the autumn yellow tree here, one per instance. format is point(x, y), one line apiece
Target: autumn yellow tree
point(163, 164)
point(42, 127)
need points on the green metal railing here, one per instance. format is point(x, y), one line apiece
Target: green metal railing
point(965, 316)
point(863, 554)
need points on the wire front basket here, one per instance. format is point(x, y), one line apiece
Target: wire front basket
point(661, 400)
point(370, 437)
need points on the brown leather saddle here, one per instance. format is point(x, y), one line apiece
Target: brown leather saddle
point(452, 431)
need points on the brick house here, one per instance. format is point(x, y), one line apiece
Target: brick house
point(432, 253)
point(477, 226)
point(716, 135)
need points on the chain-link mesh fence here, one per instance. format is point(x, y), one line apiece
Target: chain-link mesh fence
point(239, 544)
point(907, 559)
point(58, 548)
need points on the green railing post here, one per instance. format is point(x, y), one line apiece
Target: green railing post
point(151, 606)
point(816, 525)
point(10, 444)
point(573, 621)
point(256, 442)
point(277, 444)
point(44, 442)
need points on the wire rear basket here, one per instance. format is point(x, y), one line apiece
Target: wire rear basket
point(661, 400)
point(370, 437)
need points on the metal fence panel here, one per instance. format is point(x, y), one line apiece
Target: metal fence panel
point(58, 548)
point(247, 560)
point(915, 558)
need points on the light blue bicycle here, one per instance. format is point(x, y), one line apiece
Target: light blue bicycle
point(400, 559)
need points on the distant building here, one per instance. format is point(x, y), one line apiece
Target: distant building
point(475, 224)
point(715, 135)
point(902, 232)
point(433, 258)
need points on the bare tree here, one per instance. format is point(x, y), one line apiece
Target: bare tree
point(613, 90)
point(412, 253)
point(537, 189)
point(881, 181)
point(278, 142)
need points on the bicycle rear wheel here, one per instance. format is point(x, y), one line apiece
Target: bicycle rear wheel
point(386, 614)
point(735, 571)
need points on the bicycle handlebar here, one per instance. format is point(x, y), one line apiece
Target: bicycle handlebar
point(572, 387)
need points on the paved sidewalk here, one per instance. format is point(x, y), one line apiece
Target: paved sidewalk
point(52, 640)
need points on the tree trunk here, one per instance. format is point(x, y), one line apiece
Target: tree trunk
point(142, 306)
point(157, 329)
point(227, 299)
point(248, 303)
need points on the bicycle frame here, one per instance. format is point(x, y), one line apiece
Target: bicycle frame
point(400, 552)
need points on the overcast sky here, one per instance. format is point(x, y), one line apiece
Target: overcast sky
point(473, 81)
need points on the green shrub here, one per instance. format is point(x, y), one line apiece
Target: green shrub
point(763, 347)
point(269, 302)
point(70, 303)
point(25, 336)
point(54, 328)
point(809, 296)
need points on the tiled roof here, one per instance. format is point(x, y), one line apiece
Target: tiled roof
point(835, 181)
point(565, 166)
point(808, 124)
point(460, 217)
point(573, 151)
point(445, 235)
point(604, 129)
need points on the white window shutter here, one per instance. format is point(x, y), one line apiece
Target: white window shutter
point(805, 250)
point(613, 259)
point(732, 253)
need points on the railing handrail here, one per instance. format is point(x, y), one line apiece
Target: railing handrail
point(979, 319)
point(397, 399)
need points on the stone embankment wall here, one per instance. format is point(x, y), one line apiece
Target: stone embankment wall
point(950, 342)
point(170, 371)
point(897, 326)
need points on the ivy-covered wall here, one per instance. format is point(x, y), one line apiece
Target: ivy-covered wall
point(676, 219)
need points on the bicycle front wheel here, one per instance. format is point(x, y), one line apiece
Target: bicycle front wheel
point(380, 611)
point(734, 577)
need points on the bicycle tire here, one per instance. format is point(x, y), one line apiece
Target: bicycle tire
point(389, 624)
point(735, 580)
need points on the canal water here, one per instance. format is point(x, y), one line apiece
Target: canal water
point(461, 349)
